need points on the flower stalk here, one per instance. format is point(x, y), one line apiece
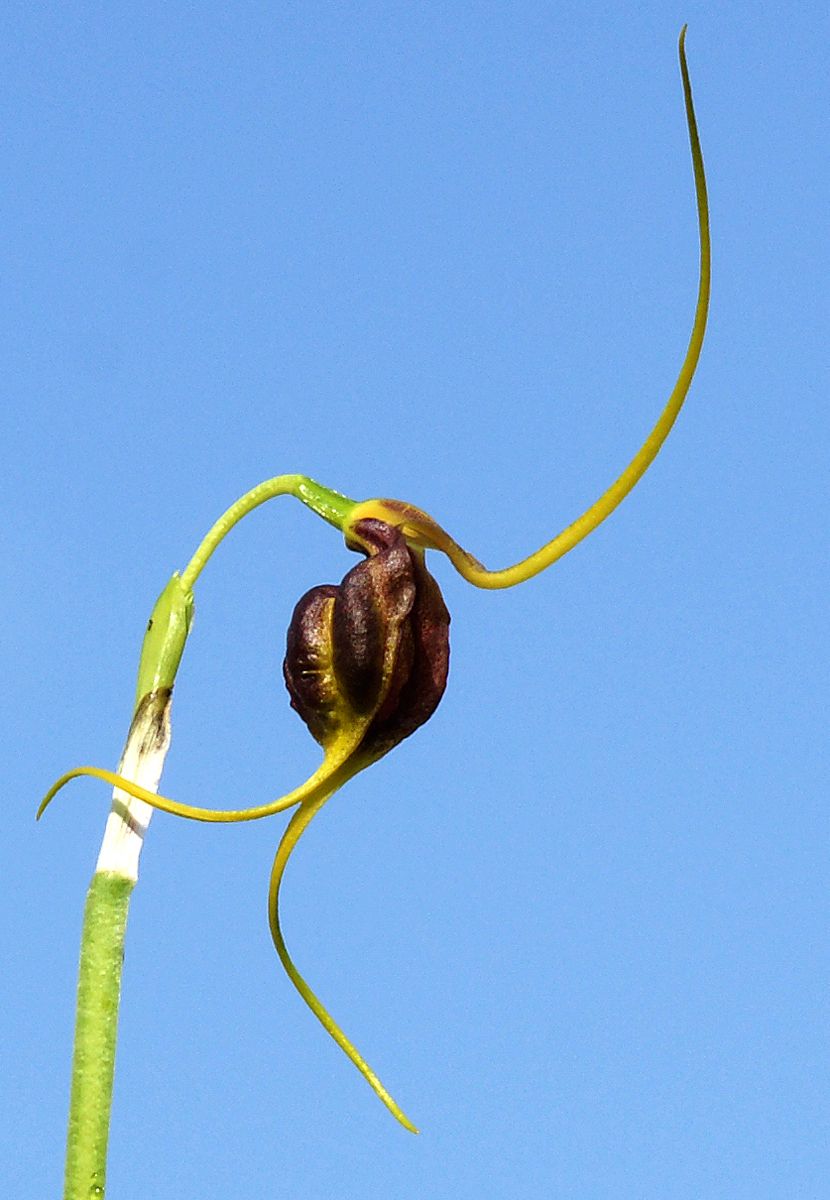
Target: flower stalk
point(102, 953)
point(116, 872)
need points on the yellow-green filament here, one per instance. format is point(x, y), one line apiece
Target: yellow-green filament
point(422, 530)
point(332, 773)
point(296, 826)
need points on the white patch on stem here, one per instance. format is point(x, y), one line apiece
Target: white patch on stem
point(142, 762)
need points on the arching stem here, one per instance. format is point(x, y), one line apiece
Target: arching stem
point(108, 898)
point(328, 504)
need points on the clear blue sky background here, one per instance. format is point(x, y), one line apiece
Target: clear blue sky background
point(445, 252)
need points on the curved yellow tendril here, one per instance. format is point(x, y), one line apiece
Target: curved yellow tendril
point(424, 531)
point(294, 831)
point(332, 773)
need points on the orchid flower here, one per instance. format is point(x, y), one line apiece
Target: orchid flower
point(366, 660)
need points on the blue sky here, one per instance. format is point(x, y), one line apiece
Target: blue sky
point(578, 923)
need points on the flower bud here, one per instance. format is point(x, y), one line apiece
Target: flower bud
point(372, 650)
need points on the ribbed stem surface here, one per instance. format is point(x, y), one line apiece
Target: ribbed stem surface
point(96, 1030)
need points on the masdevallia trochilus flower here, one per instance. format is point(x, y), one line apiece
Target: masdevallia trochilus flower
point(366, 660)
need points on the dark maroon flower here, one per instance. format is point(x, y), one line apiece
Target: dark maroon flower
point(372, 650)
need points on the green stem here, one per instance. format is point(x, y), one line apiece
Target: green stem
point(329, 505)
point(102, 938)
point(93, 1061)
point(105, 914)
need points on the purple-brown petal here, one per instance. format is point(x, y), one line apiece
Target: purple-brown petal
point(427, 676)
point(308, 668)
point(370, 611)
